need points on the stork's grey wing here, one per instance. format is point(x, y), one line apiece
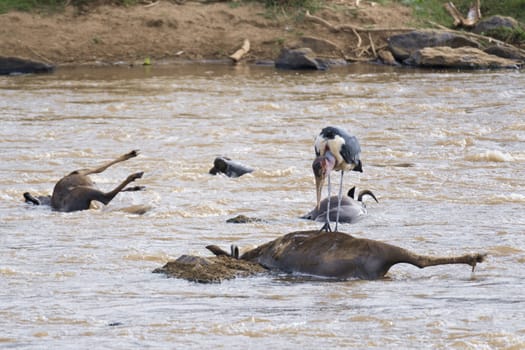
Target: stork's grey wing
point(350, 150)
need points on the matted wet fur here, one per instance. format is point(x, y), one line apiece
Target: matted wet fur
point(210, 269)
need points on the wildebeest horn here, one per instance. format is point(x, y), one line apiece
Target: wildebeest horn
point(234, 251)
point(364, 193)
point(351, 192)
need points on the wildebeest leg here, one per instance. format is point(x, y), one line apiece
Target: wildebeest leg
point(100, 169)
point(133, 188)
point(80, 197)
point(108, 196)
point(425, 261)
point(394, 255)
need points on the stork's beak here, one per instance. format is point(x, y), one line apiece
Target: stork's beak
point(319, 182)
point(317, 167)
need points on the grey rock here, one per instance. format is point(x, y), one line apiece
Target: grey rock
point(404, 45)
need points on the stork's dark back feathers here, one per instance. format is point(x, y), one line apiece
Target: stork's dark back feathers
point(348, 145)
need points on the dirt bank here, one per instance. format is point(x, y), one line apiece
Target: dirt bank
point(189, 31)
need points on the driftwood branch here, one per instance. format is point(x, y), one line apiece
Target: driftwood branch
point(477, 36)
point(474, 12)
point(473, 15)
point(372, 44)
point(237, 55)
point(359, 41)
point(454, 12)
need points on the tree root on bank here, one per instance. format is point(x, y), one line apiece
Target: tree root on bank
point(477, 36)
point(356, 30)
point(371, 50)
point(348, 27)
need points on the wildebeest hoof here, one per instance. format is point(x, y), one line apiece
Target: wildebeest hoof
point(477, 258)
point(135, 176)
point(134, 188)
point(132, 154)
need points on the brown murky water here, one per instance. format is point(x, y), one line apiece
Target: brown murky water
point(83, 280)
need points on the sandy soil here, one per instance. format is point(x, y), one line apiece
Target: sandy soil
point(191, 30)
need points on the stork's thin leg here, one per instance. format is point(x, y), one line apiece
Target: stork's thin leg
point(339, 197)
point(328, 204)
point(326, 226)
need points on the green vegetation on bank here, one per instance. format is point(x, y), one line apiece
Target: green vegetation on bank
point(424, 10)
point(434, 10)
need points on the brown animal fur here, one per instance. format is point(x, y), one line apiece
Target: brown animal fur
point(76, 191)
point(339, 255)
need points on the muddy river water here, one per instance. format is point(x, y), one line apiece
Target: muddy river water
point(443, 151)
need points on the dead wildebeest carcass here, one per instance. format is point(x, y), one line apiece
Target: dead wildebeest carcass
point(333, 255)
point(226, 166)
point(76, 191)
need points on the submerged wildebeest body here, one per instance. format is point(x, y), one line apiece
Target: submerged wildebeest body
point(226, 166)
point(76, 191)
point(350, 211)
point(339, 255)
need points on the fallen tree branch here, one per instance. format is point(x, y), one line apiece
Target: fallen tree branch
point(237, 55)
point(356, 59)
point(362, 51)
point(454, 13)
point(372, 44)
point(359, 41)
point(473, 15)
point(474, 12)
point(355, 30)
point(477, 36)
